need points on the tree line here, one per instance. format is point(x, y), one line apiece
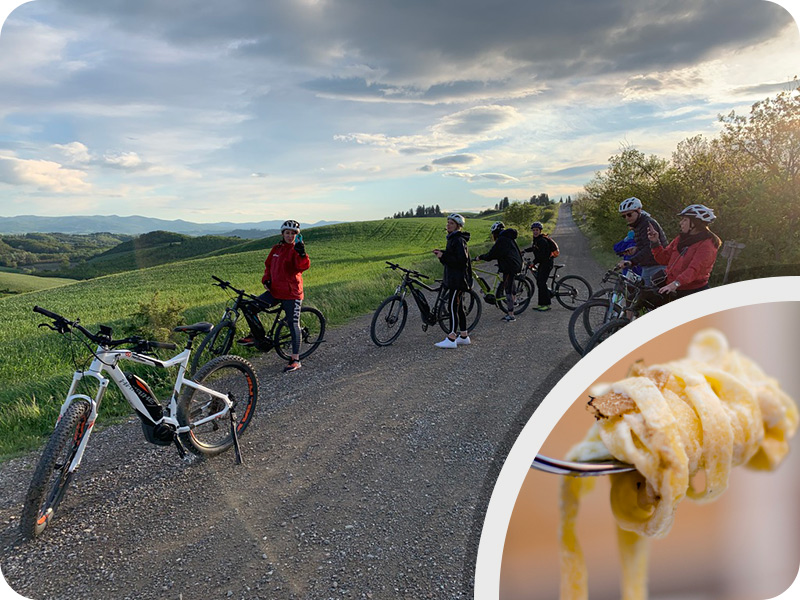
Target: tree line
point(749, 174)
point(421, 211)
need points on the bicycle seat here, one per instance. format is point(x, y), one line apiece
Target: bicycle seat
point(194, 329)
point(557, 267)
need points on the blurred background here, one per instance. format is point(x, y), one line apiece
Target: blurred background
point(744, 546)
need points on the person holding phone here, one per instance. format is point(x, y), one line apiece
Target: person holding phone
point(283, 282)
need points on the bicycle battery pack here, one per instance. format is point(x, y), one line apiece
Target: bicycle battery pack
point(160, 435)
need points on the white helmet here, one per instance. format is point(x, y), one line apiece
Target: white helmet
point(497, 226)
point(457, 218)
point(293, 225)
point(629, 204)
point(698, 211)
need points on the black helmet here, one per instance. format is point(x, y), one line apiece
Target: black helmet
point(536, 225)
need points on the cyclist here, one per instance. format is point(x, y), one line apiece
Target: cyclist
point(690, 256)
point(457, 279)
point(544, 249)
point(639, 221)
point(509, 261)
point(283, 282)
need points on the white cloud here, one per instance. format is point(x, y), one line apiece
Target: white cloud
point(44, 175)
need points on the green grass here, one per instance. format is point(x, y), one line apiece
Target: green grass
point(347, 278)
point(18, 283)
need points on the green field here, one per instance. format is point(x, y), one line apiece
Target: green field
point(347, 278)
point(18, 283)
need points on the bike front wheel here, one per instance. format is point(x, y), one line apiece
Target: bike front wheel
point(571, 291)
point(52, 475)
point(588, 318)
point(229, 375)
point(473, 307)
point(217, 342)
point(603, 333)
point(312, 332)
point(388, 321)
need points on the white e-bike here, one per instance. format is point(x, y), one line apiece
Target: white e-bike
point(224, 389)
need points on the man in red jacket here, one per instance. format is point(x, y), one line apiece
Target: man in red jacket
point(283, 282)
point(690, 256)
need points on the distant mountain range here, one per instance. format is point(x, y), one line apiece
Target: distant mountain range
point(136, 225)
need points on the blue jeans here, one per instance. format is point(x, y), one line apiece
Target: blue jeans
point(649, 272)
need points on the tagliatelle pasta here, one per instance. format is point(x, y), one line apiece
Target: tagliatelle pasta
point(706, 413)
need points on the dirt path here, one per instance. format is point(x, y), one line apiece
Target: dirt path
point(367, 475)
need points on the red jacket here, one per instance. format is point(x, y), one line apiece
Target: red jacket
point(693, 268)
point(283, 270)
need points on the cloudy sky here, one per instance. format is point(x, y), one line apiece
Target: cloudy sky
point(242, 110)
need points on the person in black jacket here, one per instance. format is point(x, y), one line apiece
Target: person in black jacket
point(640, 221)
point(457, 280)
point(509, 262)
point(543, 248)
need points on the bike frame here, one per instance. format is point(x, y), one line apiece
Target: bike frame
point(408, 283)
point(107, 361)
point(233, 312)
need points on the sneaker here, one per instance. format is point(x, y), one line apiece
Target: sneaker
point(446, 343)
point(542, 307)
point(463, 341)
point(247, 341)
point(509, 318)
point(292, 366)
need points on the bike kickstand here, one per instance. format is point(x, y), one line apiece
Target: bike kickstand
point(179, 445)
point(236, 450)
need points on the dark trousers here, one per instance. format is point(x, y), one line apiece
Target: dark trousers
point(458, 316)
point(251, 308)
point(542, 273)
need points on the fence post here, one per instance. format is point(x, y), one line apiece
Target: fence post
point(730, 250)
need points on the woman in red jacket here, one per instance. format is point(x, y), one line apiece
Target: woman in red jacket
point(690, 256)
point(283, 282)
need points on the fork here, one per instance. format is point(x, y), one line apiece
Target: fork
point(580, 469)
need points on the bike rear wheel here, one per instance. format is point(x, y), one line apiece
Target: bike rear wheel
point(230, 375)
point(473, 307)
point(603, 333)
point(51, 477)
point(523, 292)
point(217, 342)
point(571, 291)
point(388, 321)
point(312, 332)
point(588, 318)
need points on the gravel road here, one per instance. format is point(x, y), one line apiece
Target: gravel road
point(367, 474)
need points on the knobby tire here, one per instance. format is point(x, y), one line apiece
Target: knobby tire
point(312, 333)
point(51, 478)
point(388, 321)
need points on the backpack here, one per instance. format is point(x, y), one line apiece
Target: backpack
point(555, 252)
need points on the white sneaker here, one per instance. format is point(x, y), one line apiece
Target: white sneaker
point(446, 343)
point(463, 341)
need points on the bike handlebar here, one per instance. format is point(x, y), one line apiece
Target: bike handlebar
point(409, 271)
point(63, 325)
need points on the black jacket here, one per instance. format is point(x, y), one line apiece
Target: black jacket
point(506, 252)
point(455, 258)
point(644, 256)
point(542, 247)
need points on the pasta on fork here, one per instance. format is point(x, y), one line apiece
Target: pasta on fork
point(704, 414)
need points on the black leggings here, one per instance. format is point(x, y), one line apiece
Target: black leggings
point(458, 316)
point(251, 308)
point(508, 288)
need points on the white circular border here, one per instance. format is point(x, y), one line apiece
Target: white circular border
point(580, 377)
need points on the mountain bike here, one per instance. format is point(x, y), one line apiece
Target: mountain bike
point(637, 299)
point(390, 316)
point(606, 304)
point(219, 340)
point(191, 419)
point(494, 293)
point(570, 290)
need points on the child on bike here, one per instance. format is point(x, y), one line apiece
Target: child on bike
point(283, 282)
point(457, 280)
point(509, 262)
point(544, 249)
